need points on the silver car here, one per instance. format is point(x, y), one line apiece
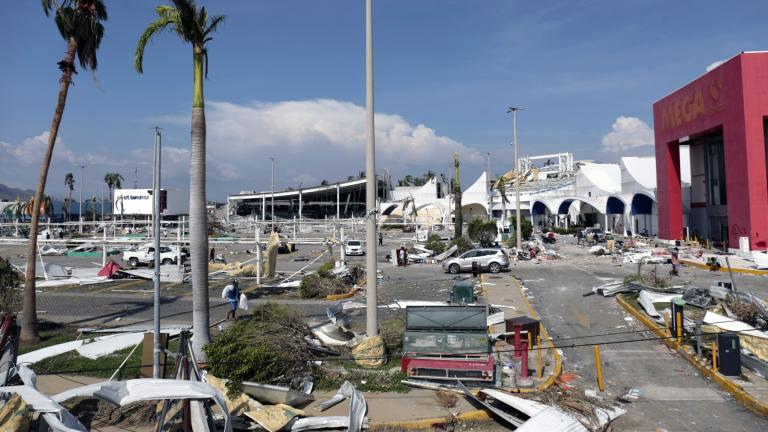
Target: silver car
point(354, 247)
point(493, 260)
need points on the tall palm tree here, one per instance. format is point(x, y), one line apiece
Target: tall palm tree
point(69, 181)
point(193, 26)
point(501, 187)
point(407, 180)
point(114, 181)
point(79, 23)
point(93, 202)
point(458, 220)
point(65, 207)
point(429, 175)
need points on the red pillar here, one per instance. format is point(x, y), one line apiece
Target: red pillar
point(669, 191)
point(524, 359)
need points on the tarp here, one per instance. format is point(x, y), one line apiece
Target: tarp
point(110, 269)
point(370, 352)
point(14, 415)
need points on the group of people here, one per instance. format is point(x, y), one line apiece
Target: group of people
point(402, 257)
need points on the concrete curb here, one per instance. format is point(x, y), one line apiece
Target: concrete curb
point(725, 269)
point(477, 415)
point(750, 402)
point(555, 354)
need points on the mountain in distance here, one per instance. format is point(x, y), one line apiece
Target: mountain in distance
point(9, 193)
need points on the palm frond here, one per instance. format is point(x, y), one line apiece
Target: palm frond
point(155, 28)
point(214, 24)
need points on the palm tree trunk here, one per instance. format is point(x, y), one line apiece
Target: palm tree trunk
point(198, 218)
point(29, 334)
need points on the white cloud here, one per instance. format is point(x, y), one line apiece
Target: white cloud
point(238, 132)
point(714, 65)
point(628, 133)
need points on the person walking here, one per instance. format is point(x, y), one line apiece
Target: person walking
point(675, 263)
point(402, 256)
point(212, 256)
point(232, 292)
point(381, 238)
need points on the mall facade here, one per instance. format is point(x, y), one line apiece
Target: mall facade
point(722, 119)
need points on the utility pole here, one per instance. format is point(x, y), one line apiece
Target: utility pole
point(80, 212)
point(488, 187)
point(514, 111)
point(273, 193)
point(156, 229)
point(372, 312)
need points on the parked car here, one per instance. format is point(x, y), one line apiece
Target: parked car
point(145, 254)
point(493, 260)
point(354, 247)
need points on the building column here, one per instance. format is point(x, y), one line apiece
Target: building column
point(338, 201)
point(669, 194)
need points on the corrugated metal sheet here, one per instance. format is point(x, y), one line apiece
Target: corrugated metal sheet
point(552, 420)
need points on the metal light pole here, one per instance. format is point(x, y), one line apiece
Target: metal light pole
point(80, 212)
point(514, 111)
point(156, 229)
point(372, 312)
point(273, 193)
point(488, 187)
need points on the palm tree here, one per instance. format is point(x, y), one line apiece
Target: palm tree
point(93, 202)
point(407, 180)
point(65, 207)
point(114, 181)
point(458, 216)
point(501, 187)
point(193, 26)
point(429, 175)
point(79, 23)
point(69, 181)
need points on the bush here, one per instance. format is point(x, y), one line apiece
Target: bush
point(526, 229)
point(481, 231)
point(266, 346)
point(435, 244)
point(310, 286)
point(563, 231)
point(10, 300)
point(463, 243)
point(324, 270)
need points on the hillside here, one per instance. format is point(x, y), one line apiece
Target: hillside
point(10, 194)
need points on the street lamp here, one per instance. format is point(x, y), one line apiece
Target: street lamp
point(80, 212)
point(273, 193)
point(514, 111)
point(372, 317)
point(488, 187)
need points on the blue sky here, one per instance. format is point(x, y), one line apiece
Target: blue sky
point(287, 80)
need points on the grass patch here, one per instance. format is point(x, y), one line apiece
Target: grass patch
point(50, 334)
point(72, 363)
point(386, 378)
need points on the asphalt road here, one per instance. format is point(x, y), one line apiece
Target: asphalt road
point(675, 397)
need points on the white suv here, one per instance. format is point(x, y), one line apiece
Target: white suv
point(493, 260)
point(354, 247)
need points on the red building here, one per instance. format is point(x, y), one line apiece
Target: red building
point(723, 117)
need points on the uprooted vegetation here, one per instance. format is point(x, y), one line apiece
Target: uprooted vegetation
point(268, 345)
point(324, 282)
point(651, 278)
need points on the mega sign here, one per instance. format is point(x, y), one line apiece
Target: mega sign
point(692, 102)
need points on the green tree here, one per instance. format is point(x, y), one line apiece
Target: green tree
point(526, 228)
point(79, 23)
point(407, 180)
point(193, 26)
point(69, 181)
point(114, 181)
point(9, 281)
point(482, 231)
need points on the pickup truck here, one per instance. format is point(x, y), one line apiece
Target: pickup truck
point(145, 254)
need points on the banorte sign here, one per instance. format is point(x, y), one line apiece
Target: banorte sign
point(693, 102)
